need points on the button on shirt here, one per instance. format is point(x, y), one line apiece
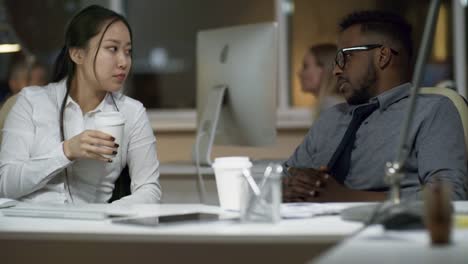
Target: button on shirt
point(436, 136)
point(32, 161)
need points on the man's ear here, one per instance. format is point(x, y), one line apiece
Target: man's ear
point(77, 55)
point(385, 57)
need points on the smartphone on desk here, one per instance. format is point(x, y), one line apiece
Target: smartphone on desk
point(153, 221)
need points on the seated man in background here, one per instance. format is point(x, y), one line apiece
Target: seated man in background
point(343, 156)
point(21, 74)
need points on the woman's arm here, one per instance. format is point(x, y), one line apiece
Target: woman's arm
point(21, 174)
point(143, 163)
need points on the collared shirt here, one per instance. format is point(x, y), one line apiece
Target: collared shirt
point(32, 161)
point(436, 136)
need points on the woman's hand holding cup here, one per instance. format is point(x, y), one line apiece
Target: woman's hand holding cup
point(90, 144)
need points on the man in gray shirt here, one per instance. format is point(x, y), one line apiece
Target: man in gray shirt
point(343, 156)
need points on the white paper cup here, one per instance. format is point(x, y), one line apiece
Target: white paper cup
point(111, 123)
point(229, 180)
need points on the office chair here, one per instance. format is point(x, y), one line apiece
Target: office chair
point(458, 101)
point(122, 185)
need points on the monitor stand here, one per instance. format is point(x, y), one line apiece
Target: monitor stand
point(206, 131)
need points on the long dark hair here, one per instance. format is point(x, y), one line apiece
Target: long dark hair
point(84, 25)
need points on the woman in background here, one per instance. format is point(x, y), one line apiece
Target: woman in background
point(316, 76)
point(51, 150)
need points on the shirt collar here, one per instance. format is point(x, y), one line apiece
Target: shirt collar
point(387, 98)
point(105, 105)
point(393, 95)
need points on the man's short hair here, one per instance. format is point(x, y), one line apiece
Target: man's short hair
point(388, 24)
point(19, 65)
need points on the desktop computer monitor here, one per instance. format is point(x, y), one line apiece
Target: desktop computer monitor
point(236, 88)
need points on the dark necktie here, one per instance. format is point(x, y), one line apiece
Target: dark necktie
point(340, 162)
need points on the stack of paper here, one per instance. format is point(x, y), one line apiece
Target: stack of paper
point(305, 210)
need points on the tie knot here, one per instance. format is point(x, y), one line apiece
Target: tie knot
point(366, 110)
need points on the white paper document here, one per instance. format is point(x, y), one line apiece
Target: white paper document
point(305, 210)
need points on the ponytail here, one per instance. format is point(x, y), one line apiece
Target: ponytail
point(61, 65)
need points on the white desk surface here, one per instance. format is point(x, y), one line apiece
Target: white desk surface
point(324, 229)
point(183, 168)
point(290, 241)
point(376, 245)
point(189, 168)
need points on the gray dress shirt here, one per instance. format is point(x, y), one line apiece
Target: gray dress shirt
point(436, 136)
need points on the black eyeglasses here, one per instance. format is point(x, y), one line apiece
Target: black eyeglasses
point(340, 58)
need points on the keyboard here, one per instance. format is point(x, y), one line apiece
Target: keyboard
point(60, 211)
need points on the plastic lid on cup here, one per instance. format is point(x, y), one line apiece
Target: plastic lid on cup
point(112, 118)
point(232, 162)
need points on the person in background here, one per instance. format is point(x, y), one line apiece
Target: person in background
point(21, 74)
point(316, 76)
point(343, 157)
point(51, 150)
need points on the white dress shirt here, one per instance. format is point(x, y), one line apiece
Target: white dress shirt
point(32, 161)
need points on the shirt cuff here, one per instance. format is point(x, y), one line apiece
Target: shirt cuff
point(61, 158)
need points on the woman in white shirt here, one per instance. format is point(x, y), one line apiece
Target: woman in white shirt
point(51, 150)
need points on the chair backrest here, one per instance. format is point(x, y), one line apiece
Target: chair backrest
point(122, 185)
point(458, 101)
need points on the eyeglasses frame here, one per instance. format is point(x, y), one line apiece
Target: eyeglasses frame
point(354, 49)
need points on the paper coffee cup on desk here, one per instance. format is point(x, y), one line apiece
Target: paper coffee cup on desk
point(111, 123)
point(229, 180)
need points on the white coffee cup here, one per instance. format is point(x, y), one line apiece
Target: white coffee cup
point(111, 123)
point(230, 180)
